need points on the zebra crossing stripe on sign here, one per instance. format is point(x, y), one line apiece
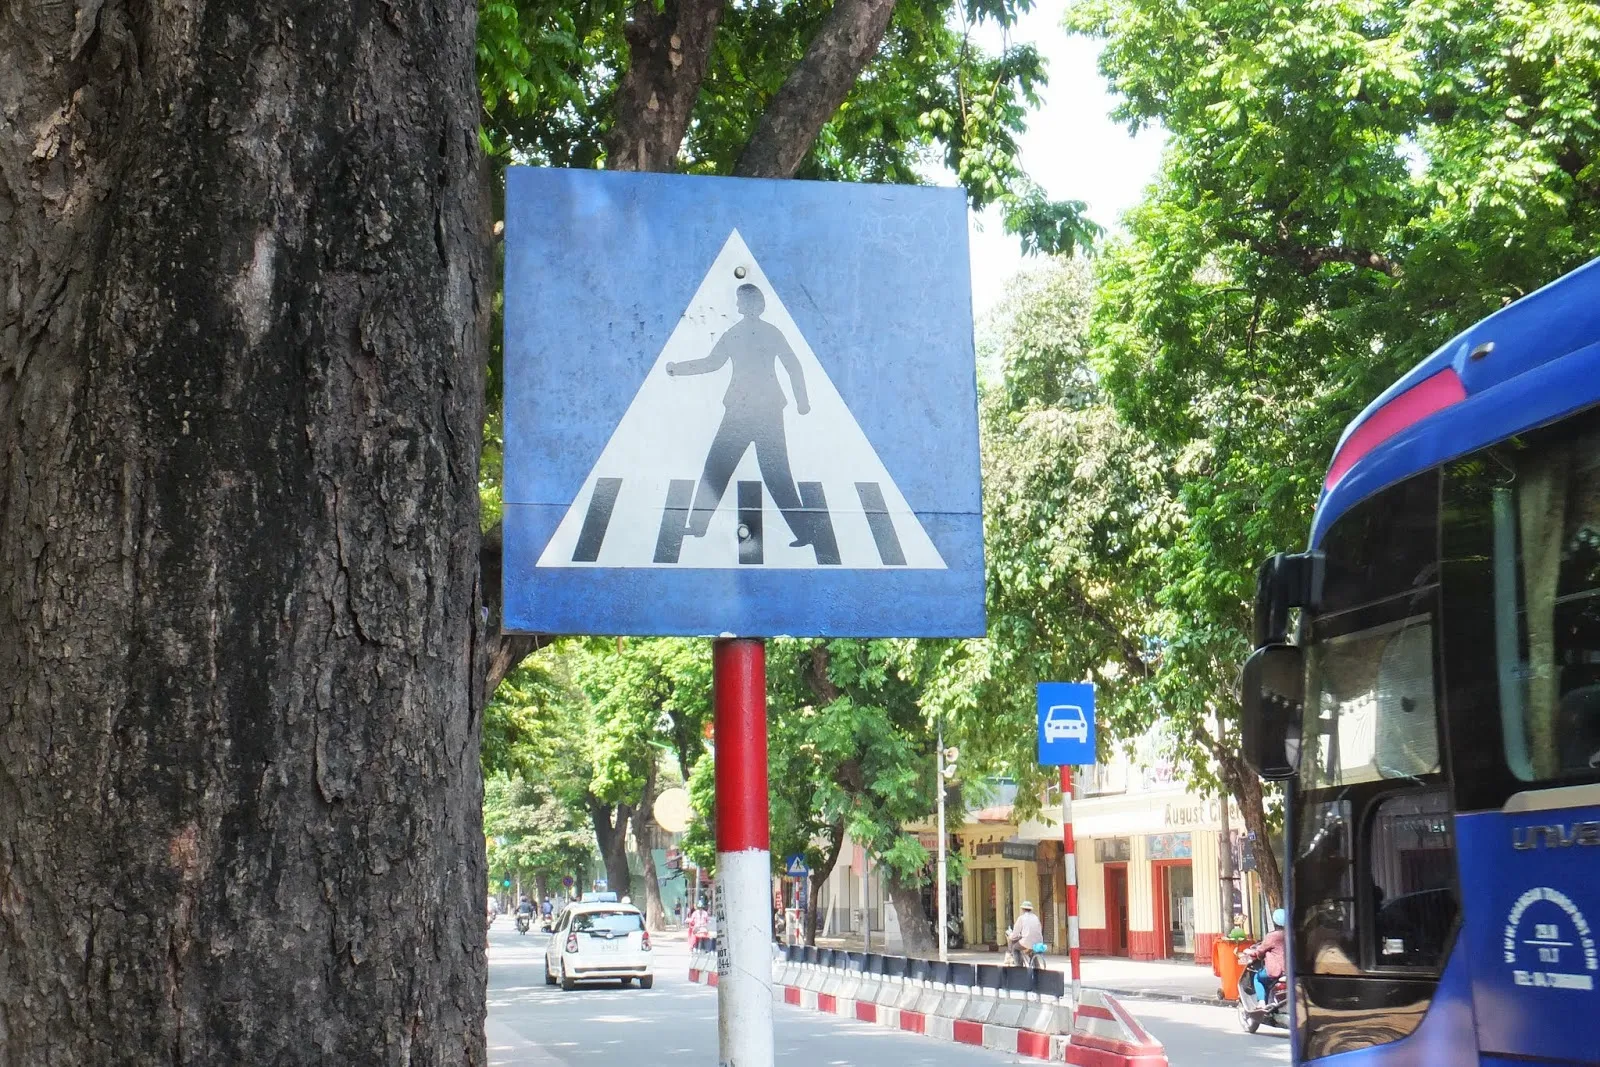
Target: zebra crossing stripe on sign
point(738, 451)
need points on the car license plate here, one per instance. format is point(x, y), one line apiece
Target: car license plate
point(607, 946)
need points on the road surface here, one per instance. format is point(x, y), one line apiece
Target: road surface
point(535, 1025)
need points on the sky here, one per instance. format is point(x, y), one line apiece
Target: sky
point(1072, 148)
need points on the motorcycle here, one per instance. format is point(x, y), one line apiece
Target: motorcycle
point(1252, 1012)
point(955, 937)
point(522, 924)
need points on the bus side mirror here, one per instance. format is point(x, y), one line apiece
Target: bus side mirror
point(1274, 697)
point(1285, 581)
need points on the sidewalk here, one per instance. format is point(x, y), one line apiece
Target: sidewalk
point(1151, 980)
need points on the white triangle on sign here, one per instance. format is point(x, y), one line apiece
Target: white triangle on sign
point(637, 507)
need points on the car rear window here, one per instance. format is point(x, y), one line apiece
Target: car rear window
point(608, 922)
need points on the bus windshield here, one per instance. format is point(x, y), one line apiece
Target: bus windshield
point(1371, 712)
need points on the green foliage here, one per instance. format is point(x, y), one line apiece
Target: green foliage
point(547, 72)
point(533, 832)
point(525, 723)
point(1078, 510)
point(1347, 183)
point(641, 698)
point(855, 746)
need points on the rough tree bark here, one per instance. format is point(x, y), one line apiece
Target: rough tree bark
point(916, 932)
point(243, 319)
point(834, 59)
point(1242, 782)
point(669, 49)
point(503, 652)
point(644, 836)
point(611, 836)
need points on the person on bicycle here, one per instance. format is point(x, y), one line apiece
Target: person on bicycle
point(1026, 932)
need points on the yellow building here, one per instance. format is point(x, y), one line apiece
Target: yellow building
point(1148, 860)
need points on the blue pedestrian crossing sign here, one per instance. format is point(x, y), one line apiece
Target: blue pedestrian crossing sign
point(738, 407)
point(795, 867)
point(1066, 723)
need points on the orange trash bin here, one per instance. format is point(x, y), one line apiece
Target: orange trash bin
point(1226, 966)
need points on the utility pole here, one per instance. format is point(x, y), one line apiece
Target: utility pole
point(1225, 864)
point(944, 884)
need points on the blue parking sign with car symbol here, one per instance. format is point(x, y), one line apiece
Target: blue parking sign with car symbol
point(1066, 723)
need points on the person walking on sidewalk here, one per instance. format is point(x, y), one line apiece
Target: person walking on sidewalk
point(1026, 932)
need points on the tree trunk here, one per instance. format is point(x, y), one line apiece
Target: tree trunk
point(644, 835)
point(1246, 787)
point(242, 253)
point(819, 878)
point(669, 50)
point(844, 45)
point(916, 932)
point(503, 652)
point(611, 835)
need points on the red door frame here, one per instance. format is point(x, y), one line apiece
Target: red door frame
point(1158, 902)
point(1112, 920)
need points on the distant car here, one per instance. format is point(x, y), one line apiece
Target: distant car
point(597, 942)
point(1065, 721)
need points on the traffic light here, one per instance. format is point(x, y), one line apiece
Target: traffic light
point(506, 883)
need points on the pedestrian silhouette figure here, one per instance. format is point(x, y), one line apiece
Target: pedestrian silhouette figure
point(752, 414)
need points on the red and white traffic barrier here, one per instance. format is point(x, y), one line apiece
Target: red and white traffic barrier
point(1104, 1034)
point(894, 1003)
point(703, 961)
point(1101, 1033)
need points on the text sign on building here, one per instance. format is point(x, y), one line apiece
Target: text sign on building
point(1066, 723)
point(738, 407)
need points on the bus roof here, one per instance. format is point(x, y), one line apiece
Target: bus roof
point(1531, 362)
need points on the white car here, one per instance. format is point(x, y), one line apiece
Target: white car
point(598, 942)
point(1064, 721)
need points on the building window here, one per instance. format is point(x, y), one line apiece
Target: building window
point(1112, 850)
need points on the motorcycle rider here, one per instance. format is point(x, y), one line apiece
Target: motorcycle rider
point(524, 913)
point(1270, 948)
point(1026, 932)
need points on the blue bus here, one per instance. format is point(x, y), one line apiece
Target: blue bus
point(1426, 682)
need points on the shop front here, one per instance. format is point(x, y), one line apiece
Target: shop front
point(1001, 873)
point(1148, 875)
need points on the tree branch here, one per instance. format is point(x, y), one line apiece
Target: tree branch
point(847, 41)
point(1308, 259)
point(669, 50)
point(505, 651)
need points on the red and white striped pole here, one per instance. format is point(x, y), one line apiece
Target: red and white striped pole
point(744, 864)
point(1069, 853)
